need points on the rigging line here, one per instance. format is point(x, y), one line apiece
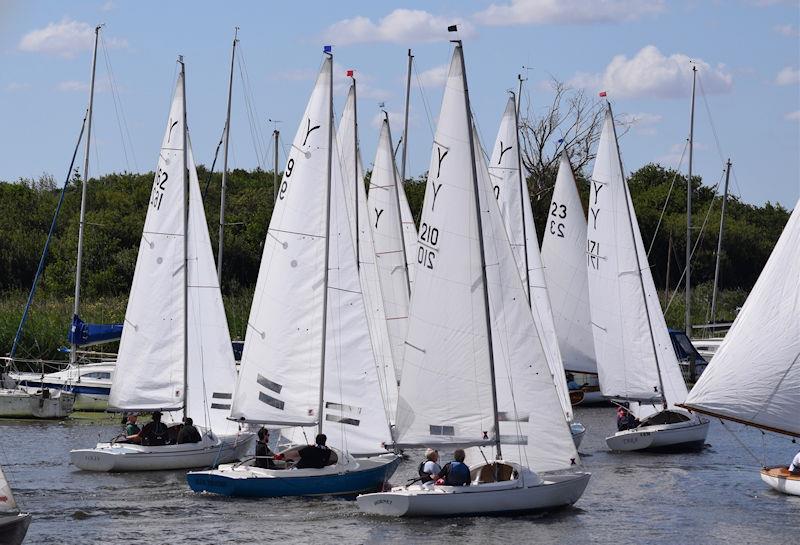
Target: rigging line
point(666, 201)
point(213, 163)
point(711, 120)
point(119, 110)
point(741, 443)
point(248, 109)
point(424, 100)
point(253, 105)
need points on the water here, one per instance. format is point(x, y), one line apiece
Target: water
point(715, 496)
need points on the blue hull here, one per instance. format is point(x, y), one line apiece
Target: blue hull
point(346, 484)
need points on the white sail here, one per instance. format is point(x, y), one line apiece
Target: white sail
point(627, 323)
point(409, 232)
point(533, 423)
point(211, 375)
point(564, 258)
point(385, 219)
point(150, 364)
point(7, 502)
point(515, 207)
point(446, 395)
point(355, 203)
point(755, 374)
point(279, 377)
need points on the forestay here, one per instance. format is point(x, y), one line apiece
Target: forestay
point(564, 258)
point(150, 364)
point(7, 502)
point(355, 203)
point(409, 231)
point(628, 326)
point(755, 374)
point(512, 195)
point(279, 378)
point(390, 252)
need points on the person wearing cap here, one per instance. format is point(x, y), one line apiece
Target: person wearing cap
point(131, 427)
point(430, 469)
point(625, 420)
point(153, 433)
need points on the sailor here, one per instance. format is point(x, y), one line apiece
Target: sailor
point(153, 433)
point(315, 456)
point(625, 420)
point(794, 467)
point(264, 456)
point(131, 427)
point(455, 473)
point(571, 384)
point(188, 433)
point(429, 469)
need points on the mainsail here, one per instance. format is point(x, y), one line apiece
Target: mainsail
point(564, 258)
point(754, 377)
point(7, 502)
point(635, 357)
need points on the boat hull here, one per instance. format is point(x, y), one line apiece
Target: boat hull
point(502, 498)
point(19, 403)
point(116, 457)
point(679, 437)
point(781, 480)
point(363, 475)
point(578, 430)
point(13, 528)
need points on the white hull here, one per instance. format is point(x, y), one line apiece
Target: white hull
point(781, 480)
point(526, 493)
point(19, 403)
point(90, 383)
point(689, 435)
point(210, 452)
point(578, 430)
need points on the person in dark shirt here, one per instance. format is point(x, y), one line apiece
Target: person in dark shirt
point(625, 420)
point(455, 473)
point(314, 456)
point(153, 433)
point(264, 456)
point(188, 433)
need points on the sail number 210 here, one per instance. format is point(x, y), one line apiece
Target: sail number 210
point(428, 239)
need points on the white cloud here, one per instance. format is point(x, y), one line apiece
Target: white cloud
point(788, 76)
point(434, 77)
point(108, 6)
point(16, 86)
point(72, 85)
point(539, 12)
point(651, 74)
point(65, 39)
point(787, 30)
point(642, 123)
point(793, 116)
point(400, 26)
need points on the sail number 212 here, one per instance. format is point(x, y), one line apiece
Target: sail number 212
point(428, 239)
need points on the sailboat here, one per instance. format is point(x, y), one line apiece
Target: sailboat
point(754, 378)
point(308, 360)
point(385, 217)
point(564, 260)
point(475, 371)
point(13, 524)
point(511, 191)
point(635, 357)
point(175, 354)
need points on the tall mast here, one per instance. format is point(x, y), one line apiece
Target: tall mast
point(397, 198)
point(225, 162)
point(355, 166)
point(329, 60)
point(275, 182)
point(628, 206)
point(719, 243)
point(405, 121)
point(523, 194)
point(476, 190)
point(185, 202)
point(688, 293)
point(84, 187)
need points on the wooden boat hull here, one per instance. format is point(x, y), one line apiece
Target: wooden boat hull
point(679, 437)
point(13, 528)
point(209, 452)
point(499, 498)
point(362, 475)
point(19, 403)
point(781, 480)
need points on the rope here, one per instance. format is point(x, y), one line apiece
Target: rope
point(741, 443)
point(424, 101)
point(666, 201)
point(119, 111)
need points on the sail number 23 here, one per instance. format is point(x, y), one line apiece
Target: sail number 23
point(559, 212)
point(428, 240)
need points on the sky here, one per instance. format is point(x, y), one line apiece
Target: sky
point(747, 53)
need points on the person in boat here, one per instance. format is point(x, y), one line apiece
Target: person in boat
point(154, 433)
point(429, 469)
point(625, 419)
point(315, 456)
point(188, 433)
point(794, 467)
point(131, 427)
point(455, 473)
point(264, 456)
point(571, 384)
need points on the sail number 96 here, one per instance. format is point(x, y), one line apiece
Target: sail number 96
point(429, 238)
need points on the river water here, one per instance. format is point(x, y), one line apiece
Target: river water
point(715, 496)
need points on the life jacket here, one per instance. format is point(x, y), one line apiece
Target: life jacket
point(424, 477)
point(156, 434)
point(457, 474)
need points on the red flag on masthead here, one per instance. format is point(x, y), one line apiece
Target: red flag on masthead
point(602, 93)
point(349, 73)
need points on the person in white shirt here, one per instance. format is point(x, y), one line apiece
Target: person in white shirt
point(430, 469)
point(794, 467)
